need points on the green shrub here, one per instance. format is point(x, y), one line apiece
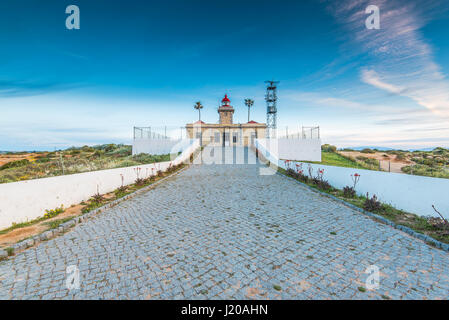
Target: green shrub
point(15, 164)
point(328, 148)
point(372, 204)
point(348, 192)
point(52, 213)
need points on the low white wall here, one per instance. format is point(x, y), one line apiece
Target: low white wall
point(159, 146)
point(293, 149)
point(26, 200)
point(414, 194)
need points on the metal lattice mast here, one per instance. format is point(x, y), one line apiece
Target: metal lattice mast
point(271, 99)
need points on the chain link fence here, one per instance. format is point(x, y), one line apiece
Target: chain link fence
point(299, 132)
point(160, 133)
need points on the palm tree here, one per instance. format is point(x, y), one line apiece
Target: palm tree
point(198, 106)
point(249, 103)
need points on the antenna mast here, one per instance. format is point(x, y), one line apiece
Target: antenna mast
point(271, 99)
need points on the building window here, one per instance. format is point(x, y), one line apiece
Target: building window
point(217, 137)
point(198, 135)
point(234, 138)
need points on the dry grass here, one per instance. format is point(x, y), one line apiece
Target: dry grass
point(25, 166)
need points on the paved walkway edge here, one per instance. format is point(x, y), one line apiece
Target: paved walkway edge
point(420, 236)
point(27, 243)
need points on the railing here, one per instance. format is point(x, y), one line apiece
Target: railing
point(300, 133)
point(159, 133)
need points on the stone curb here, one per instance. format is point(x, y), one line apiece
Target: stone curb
point(420, 236)
point(49, 234)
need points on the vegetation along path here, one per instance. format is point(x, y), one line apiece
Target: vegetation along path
point(224, 231)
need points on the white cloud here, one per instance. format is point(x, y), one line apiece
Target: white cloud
point(371, 77)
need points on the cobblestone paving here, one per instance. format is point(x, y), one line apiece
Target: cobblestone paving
point(224, 231)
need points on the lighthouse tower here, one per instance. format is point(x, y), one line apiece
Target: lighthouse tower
point(226, 111)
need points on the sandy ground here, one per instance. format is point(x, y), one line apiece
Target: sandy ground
point(19, 234)
point(5, 158)
point(388, 162)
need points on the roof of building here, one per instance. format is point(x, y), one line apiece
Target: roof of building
point(226, 99)
point(232, 125)
point(252, 121)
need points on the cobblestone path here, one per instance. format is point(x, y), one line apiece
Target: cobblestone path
point(224, 231)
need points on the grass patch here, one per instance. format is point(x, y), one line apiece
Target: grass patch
point(277, 287)
point(362, 289)
point(48, 215)
point(338, 160)
point(56, 223)
point(9, 251)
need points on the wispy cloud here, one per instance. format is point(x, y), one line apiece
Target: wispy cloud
point(14, 88)
point(371, 77)
point(402, 61)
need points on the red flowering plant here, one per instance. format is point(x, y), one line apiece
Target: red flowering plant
point(152, 176)
point(320, 182)
point(300, 173)
point(320, 174)
point(288, 169)
point(139, 181)
point(310, 169)
point(349, 192)
point(170, 168)
point(122, 188)
point(355, 178)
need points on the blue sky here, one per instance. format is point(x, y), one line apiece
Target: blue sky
point(145, 63)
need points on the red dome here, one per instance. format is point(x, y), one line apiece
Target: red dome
point(225, 99)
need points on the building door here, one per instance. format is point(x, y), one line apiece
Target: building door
point(226, 139)
point(217, 138)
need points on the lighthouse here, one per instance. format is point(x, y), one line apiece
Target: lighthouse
point(226, 111)
point(226, 132)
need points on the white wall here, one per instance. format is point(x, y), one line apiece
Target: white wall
point(159, 146)
point(414, 194)
point(27, 200)
point(293, 149)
